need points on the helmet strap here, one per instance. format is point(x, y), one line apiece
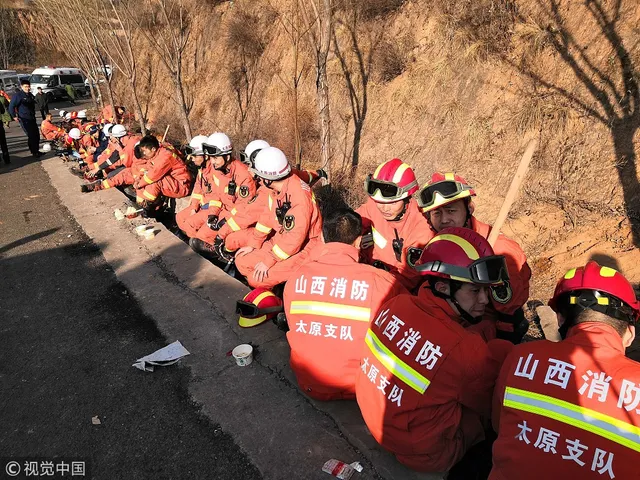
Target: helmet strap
point(405, 203)
point(225, 166)
point(454, 286)
point(467, 221)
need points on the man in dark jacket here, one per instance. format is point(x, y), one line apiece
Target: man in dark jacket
point(23, 109)
point(42, 102)
point(3, 139)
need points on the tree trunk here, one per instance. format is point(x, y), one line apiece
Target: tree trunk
point(136, 103)
point(93, 94)
point(177, 80)
point(325, 119)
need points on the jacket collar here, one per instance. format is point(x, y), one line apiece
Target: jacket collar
point(427, 298)
point(334, 249)
point(595, 333)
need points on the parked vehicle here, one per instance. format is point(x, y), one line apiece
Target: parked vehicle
point(9, 81)
point(53, 81)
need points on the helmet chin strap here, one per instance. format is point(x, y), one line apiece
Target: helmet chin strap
point(453, 288)
point(405, 203)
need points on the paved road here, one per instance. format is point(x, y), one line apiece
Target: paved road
point(69, 332)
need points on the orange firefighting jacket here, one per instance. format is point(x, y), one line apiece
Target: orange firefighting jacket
point(201, 187)
point(107, 115)
point(425, 383)
point(125, 154)
point(329, 304)
point(50, 131)
point(570, 409)
point(302, 222)
point(247, 216)
point(220, 198)
point(519, 271)
point(413, 229)
point(164, 163)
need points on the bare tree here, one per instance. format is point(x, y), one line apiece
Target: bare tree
point(318, 16)
point(15, 46)
point(356, 76)
point(117, 40)
point(168, 30)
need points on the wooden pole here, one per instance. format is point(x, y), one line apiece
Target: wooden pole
point(166, 130)
point(512, 193)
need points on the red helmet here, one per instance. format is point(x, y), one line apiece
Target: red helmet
point(601, 288)
point(74, 115)
point(461, 254)
point(443, 188)
point(392, 181)
point(258, 306)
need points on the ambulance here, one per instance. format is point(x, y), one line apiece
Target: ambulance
point(54, 79)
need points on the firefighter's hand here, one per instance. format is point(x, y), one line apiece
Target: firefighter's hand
point(260, 272)
point(244, 251)
point(90, 174)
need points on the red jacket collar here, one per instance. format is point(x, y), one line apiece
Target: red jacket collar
point(595, 333)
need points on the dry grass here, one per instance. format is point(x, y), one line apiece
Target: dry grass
point(537, 111)
point(532, 36)
point(372, 9)
point(244, 34)
point(390, 60)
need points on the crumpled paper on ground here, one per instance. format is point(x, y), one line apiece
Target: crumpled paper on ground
point(162, 358)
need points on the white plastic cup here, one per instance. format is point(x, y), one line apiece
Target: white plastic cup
point(142, 229)
point(149, 233)
point(243, 354)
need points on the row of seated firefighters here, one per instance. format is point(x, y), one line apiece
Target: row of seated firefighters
point(404, 306)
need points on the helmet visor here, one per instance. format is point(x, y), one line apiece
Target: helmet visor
point(189, 150)
point(446, 189)
point(387, 190)
point(213, 151)
point(249, 310)
point(485, 271)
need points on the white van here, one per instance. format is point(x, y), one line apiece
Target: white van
point(9, 81)
point(53, 81)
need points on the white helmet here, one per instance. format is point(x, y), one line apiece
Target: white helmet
point(67, 116)
point(271, 164)
point(251, 150)
point(46, 148)
point(75, 133)
point(63, 113)
point(106, 130)
point(217, 144)
point(82, 114)
point(118, 131)
point(196, 144)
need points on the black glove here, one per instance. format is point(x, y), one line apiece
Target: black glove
point(512, 327)
point(367, 241)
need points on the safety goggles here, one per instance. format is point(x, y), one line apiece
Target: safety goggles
point(446, 189)
point(387, 190)
point(485, 271)
point(249, 159)
point(249, 310)
point(602, 302)
point(213, 151)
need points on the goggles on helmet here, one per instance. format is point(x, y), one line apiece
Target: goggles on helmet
point(213, 151)
point(249, 160)
point(486, 271)
point(446, 189)
point(387, 190)
point(189, 150)
point(602, 302)
point(250, 310)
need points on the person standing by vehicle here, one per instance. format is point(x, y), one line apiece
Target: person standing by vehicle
point(42, 102)
point(71, 93)
point(4, 101)
point(3, 138)
point(23, 110)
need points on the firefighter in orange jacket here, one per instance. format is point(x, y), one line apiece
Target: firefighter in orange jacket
point(447, 202)
point(190, 219)
point(119, 161)
point(164, 175)
point(49, 130)
point(425, 384)
point(238, 219)
point(329, 304)
point(288, 228)
point(572, 409)
point(394, 224)
point(232, 186)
